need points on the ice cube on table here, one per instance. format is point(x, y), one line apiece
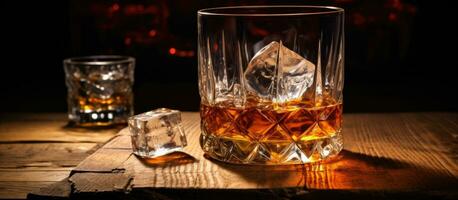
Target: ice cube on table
point(157, 132)
point(278, 74)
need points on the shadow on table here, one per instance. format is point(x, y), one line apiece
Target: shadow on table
point(72, 126)
point(105, 132)
point(348, 170)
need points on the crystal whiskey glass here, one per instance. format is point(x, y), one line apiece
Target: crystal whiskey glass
point(271, 81)
point(99, 89)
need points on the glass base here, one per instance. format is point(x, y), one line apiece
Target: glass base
point(99, 118)
point(273, 152)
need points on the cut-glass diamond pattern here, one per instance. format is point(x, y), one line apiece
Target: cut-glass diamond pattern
point(298, 122)
point(257, 137)
point(255, 124)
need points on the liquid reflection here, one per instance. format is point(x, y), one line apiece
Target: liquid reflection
point(174, 158)
point(348, 170)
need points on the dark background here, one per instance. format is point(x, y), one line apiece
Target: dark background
point(400, 55)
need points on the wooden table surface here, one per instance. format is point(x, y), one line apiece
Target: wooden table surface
point(37, 150)
point(385, 155)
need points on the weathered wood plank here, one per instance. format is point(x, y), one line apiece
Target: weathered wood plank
point(19, 190)
point(120, 142)
point(60, 189)
point(37, 150)
point(39, 168)
point(33, 176)
point(100, 182)
point(418, 139)
point(48, 128)
point(25, 167)
point(108, 160)
point(383, 152)
point(19, 155)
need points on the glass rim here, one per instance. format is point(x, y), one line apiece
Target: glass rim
point(99, 60)
point(220, 11)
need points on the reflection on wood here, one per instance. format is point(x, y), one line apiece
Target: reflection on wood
point(174, 158)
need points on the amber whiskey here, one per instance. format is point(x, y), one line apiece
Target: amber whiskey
point(299, 132)
point(97, 111)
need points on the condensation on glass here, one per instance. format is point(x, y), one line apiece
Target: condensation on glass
point(270, 82)
point(99, 89)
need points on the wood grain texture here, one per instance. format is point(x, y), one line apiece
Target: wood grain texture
point(19, 190)
point(59, 189)
point(33, 176)
point(38, 150)
point(21, 155)
point(383, 152)
point(48, 128)
point(109, 160)
point(106, 182)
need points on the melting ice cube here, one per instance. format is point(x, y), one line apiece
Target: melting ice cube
point(156, 133)
point(278, 74)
